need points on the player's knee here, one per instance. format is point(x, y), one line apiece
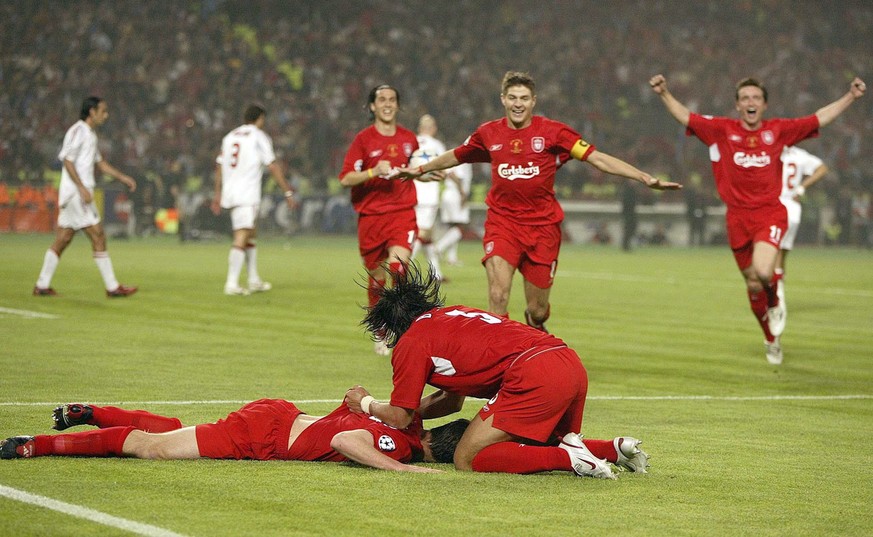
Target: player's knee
point(463, 462)
point(538, 312)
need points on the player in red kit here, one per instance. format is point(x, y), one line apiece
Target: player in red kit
point(523, 224)
point(745, 155)
point(385, 206)
point(267, 429)
point(535, 384)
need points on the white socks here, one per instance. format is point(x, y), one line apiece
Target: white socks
point(105, 266)
point(235, 261)
point(49, 265)
point(448, 244)
point(252, 264)
point(433, 258)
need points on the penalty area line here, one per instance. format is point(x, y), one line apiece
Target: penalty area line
point(86, 513)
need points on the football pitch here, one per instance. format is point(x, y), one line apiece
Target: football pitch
point(674, 357)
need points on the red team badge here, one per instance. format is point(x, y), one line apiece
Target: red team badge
point(489, 247)
point(768, 137)
point(538, 143)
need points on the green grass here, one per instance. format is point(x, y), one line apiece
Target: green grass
point(651, 325)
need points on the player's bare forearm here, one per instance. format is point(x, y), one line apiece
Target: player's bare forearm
point(439, 404)
point(357, 445)
point(679, 111)
point(446, 160)
point(827, 114)
point(386, 412)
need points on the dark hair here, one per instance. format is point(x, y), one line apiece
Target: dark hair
point(87, 105)
point(253, 112)
point(399, 305)
point(750, 82)
point(444, 439)
point(371, 99)
point(517, 78)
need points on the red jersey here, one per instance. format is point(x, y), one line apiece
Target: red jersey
point(461, 350)
point(523, 166)
point(378, 195)
point(746, 164)
point(313, 444)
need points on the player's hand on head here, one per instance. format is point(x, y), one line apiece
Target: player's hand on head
point(353, 398)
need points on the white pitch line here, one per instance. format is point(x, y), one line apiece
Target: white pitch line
point(86, 513)
point(29, 314)
point(590, 398)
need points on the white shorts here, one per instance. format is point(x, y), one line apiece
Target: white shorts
point(425, 216)
point(78, 215)
point(243, 217)
point(451, 209)
point(794, 210)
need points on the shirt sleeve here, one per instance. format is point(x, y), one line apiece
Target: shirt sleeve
point(412, 367)
point(799, 129)
point(391, 442)
point(265, 146)
point(707, 128)
point(72, 144)
point(354, 160)
point(473, 149)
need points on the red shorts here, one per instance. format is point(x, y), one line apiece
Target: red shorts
point(260, 431)
point(378, 232)
point(533, 250)
point(542, 395)
point(745, 227)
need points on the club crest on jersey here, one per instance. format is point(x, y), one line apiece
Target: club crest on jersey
point(407, 149)
point(489, 247)
point(768, 137)
point(515, 146)
point(538, 143)
point(386, 443)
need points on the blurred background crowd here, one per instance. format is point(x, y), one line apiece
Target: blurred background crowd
point(177, 75)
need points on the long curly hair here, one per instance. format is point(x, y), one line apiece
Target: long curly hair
point(411, 294)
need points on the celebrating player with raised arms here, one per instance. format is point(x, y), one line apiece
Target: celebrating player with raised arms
point(523, 224)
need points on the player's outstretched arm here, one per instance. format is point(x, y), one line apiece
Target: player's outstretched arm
point(446, 160)
point(615, 166)
point(678, 110)
point(827, 114)
point(357, 445)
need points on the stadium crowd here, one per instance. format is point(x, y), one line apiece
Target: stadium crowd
point(177, 76)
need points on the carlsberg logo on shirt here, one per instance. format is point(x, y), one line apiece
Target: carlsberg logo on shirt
point(751, 161)
point(515, 171)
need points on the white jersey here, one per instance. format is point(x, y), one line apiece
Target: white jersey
point(796, 164)
point(244, 153)
point(453, 210)
point(80, 147)
point(428, 192)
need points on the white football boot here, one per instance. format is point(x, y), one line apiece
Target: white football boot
point(773, 351)
point(776, 317)
point(584, 462)
point(235, 290)
point(630, 456)
point(259, 287)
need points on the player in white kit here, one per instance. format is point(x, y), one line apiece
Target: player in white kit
point(428, 196)
point(800, 170)
point(245, 151)
point(454, 211)
point(79, 155)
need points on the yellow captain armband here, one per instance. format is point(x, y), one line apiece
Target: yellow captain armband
point(580, 149)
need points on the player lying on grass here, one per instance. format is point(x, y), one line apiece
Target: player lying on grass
point(536, 384)
point(267, 429)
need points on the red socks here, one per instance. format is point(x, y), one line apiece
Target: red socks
point(514, 458)
point(759, 302)
point(110, 416)
point(397, 267)
point(100, 443)
point(373, 288)
point(602, 449)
